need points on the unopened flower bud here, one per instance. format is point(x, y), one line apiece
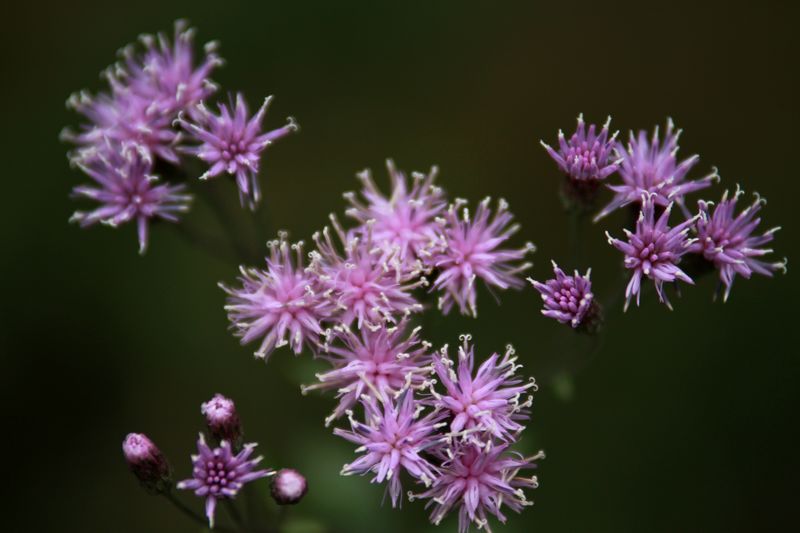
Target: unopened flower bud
point(222, 419)
point(288, 487)
point(147, 463)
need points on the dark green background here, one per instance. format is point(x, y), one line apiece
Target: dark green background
point(682, 423)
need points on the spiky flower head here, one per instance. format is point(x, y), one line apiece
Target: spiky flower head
point(288, 486)
point(568, 299)
point(654, 250)
point(587, 158)
point(126, 190)
point(283, 305)
point(727, 240)
point(392, 439)
point(147, 463)
point(165, 74)
point(651, 166)
point(484, 405)
point(404, 223)
point(222, 419)
point(362, 284)
point(469, 249)
point(231, 143)
point(219, 474)
point(477, 482)
point(379, 363)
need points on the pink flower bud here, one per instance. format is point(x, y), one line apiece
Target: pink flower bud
point(288, 487)
point(222, 419)
point(147, 463)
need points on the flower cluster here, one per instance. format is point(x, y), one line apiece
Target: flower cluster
point(653, 181)
point(367, 278)
point(219, 469)
point(455, 442)
point(152, 112)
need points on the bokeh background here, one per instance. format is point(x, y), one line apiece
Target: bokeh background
point(683, 422)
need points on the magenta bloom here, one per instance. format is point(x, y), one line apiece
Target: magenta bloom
point(147, 462)
point(222, 419)
point(568, 299)
point(392, 439)
point(126, 190)
point(377, 363)
point(587, 156)
point(727, 240)
point(165, 74)
point(469, 249)
point(478, 482)
point(232, 142)
point(652, 167)
point(218, 473)
point(487, 404)
point(361, 284)
point(282, 304)
point(124, 118)
point(403, 225)
point(654, 250)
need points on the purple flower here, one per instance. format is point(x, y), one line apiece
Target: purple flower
point(652, 167)
point(654, 250)
point(222, 419)
point(232, 143)
point(124, 118)
point(488, 403)
point(288, 487)
point(361, 283)
point(126, 190)
point(146, 462)
point(392, 439)
point(165, 74)
point(587, 156)
point(219, 474)
point(403, 224)
point(478, 482)
point(727, 240)
point(568, 299)
point(282, 304)
point(377, 363)
point(468, 249)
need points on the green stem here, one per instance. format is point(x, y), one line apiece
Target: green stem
point(233, 511)
point(183, 508)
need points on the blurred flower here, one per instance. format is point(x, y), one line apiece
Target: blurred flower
point(361, 284)
point(232, 143)
point(728, 241)
point(147, 463)
point(126, 189)
point(586, 159)
point(654, 250)
point(478, 482)
point(378, 363)
point(124, 118)
point(568, 299)
point(288, 487)
point(652, 168)
point(392, 439)
point(468, 249)
point(403, 224)
point(282, 304)
point(165, 74)
point(222, 419)
point(488, 403)
point(218, 473)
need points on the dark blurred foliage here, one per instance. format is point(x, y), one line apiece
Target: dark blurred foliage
point(681, 423)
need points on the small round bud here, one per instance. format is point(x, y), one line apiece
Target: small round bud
point(222, 419)
point(147, 463)
point(288, 487)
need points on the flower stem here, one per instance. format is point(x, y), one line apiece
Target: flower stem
point(183, 508)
